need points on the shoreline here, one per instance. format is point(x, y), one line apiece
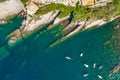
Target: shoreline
point(27, 30)
point(50, 16)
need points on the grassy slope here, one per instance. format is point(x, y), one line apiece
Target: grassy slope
point(24, 1)
point(65, 10)
point(2, 1)
point(52, 7)
point(81, 12)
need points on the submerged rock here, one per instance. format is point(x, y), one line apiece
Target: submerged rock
point(115, 69)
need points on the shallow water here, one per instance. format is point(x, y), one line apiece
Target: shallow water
point(34, 59)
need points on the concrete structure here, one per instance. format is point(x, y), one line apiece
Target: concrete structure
point(73, 2)
point(101, 2)
point(87, 2)
point(31, 8)
point(66, 2)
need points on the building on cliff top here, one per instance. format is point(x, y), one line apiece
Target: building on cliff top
point(31, 8)
point(67, 2)
point(87, 2)
point(73, 2)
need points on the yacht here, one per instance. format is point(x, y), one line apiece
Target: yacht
point(81, 54)
point(86, 65)
point(68, 58)
point(85, 75)
point(100, 67)
point(99, 76)
point(94, 65)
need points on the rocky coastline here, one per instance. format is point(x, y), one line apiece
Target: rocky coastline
point(33, 24)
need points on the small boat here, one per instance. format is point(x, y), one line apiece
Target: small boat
point(94, 65)
point(100, 67)
point(86, 65)
point(99, 76)
point(85, 75)
point(81, 54)
point(68, 58)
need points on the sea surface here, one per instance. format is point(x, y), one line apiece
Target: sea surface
point(35, 58)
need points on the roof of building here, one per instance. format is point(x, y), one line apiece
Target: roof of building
point(88, 2)
point(32, 8)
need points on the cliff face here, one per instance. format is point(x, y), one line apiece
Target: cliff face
point(36, 34)
point(26, 52)
point(9, 8)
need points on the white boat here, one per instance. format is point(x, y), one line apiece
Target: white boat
point(85, 75)
point(99, 76)
point(100, 67)
point(68, 58)
point(81, 54)
point(94, 65)
point(86, 65)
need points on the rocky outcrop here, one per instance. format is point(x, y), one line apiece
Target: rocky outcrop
point(9, 8)
point(115, 69)
point(33, 26)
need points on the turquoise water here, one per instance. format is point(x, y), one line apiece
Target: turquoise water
point(5, 29)
point(34, 59)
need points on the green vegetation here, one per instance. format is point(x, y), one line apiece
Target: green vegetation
point(65, 10)
point(2, 0)
point(116, 4)
point(83, 12)
point(24, 1)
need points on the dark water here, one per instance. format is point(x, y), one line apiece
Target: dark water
point(34, 59)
